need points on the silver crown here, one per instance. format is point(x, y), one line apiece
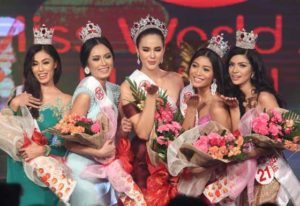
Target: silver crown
point(219, 46)
point(147, 23)
point(245, 40)
point(42, 35)
point(91, 30)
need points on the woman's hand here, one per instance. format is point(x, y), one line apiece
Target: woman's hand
point(152, 89)
point(231, 102)
point(126, 125)
point(107, 150)
point(32, 151)
point(25, 99)
point(195, 102)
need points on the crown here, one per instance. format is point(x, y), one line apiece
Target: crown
point(148, 23)
point(91, 30)
point(217, 44)
point(42, 35)
point(245, 40)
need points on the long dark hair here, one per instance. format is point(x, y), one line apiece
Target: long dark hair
point(31, 84)
point(216, 62)
point(87, 47)
point(260, 80)
point(147, 32)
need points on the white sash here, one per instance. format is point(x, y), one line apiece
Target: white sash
point(104, 100)
point(185, 93)
point(141, 78)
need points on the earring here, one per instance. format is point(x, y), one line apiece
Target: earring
point(162, 60)
point(86, 70)
point(252, 76)
point(138, 59)
point(213, 87)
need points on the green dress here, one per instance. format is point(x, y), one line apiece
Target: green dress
point(34, 195)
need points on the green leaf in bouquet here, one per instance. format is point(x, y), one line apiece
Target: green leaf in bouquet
point(223, 132)
point(86, 126)
point(178, 117)
point(163, 95)
point(137, 93)
point(292, 116)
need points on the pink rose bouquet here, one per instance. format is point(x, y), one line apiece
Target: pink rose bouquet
point(277, 128)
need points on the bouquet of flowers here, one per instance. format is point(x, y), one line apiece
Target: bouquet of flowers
point(213, 144)
point(82, 130)
point(167, 125)
point(45, 171)
point(276, 128)
point(161, 186)
point(167, 128)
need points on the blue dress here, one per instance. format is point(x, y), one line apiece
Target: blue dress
point(92, 191)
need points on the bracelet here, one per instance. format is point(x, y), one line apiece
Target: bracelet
point(47, 150)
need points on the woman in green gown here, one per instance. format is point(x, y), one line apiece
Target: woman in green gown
point(47, 105)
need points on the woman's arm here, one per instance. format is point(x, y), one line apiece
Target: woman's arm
point(80, 107)
point(191, 112)
point(81, 104)
point(220, 114)
point(24, 99)
point(107, 150)
point(142, 122)
point(267, 101)
point(234, 110)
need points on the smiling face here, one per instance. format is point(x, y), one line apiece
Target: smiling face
point(240, 70)
point(201, 72)
point(100, 62)
point(43, 67)
point(151, 51)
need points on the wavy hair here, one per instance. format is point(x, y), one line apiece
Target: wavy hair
point(260, 80)
point(31, 84)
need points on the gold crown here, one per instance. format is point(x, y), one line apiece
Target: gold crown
point(219, 46)
point(147, 23)
point(245, 40)
point(42, 35)
point(91, 30)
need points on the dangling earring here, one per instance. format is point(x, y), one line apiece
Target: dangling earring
point(162, 60)
point(213, 87)
point(252, 76)
point(138, 59)
point(86, 70)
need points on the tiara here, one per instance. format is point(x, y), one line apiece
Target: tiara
point(42, 35)
point(90, 30)
point(217, 44)
point(147, 23)
point(245, 40)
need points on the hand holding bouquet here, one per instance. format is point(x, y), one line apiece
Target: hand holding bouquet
point(16, 134)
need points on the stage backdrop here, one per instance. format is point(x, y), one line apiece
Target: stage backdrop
point(193, 21)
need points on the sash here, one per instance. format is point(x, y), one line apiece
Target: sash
point(185, 94)
point(110, 168)
point(142, 79)
point(274, 168)
point(278, 168)
point(104, 101)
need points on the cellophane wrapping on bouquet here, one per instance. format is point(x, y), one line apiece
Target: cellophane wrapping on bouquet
point(78, 129)
point(45, 171)
point(203, 149)
point(273, 131)
point(276, 129)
